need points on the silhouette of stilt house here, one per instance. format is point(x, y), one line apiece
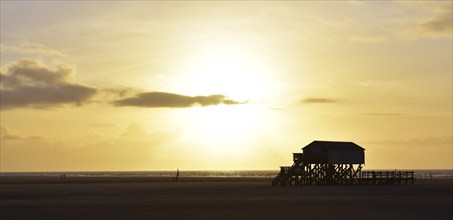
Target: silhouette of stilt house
point(334, 163)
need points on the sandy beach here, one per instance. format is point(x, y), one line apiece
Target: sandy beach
point(216, 198)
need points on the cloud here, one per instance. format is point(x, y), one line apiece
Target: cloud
point(135, 130)
point(368, 39)
point(437, 23)
point(31, 48)
point(100, 125)
point(427, 141)
point(117, 92)
point(442, 22)
point(171, 100)
point(7, 135)
point(28, 83)
point(383, 114)
point(317, 100)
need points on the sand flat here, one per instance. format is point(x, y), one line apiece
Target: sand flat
point(216, 198)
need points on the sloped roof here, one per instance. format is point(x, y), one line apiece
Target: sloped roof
point(337, 145)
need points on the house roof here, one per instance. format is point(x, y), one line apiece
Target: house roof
point(337, 145)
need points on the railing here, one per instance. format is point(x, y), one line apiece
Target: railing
point(386, 177)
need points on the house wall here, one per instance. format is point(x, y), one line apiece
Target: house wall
point(314, 155)
point(345, 157)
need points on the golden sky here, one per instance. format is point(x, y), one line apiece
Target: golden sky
point(203, 85)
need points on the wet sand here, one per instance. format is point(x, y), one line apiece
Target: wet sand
point(216, 198)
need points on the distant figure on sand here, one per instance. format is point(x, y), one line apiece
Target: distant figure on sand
point(177, 175)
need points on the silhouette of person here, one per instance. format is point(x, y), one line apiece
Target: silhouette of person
point(177, 174)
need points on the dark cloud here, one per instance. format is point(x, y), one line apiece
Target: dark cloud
point(118, 92)
point(171, 100)
point(317, 100)
point(28, 83)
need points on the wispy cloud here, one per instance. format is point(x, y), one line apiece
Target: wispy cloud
point(317, 100)
point(382, 114)
point(427, 141)
point(31, 48)
point(29, 83)
point(7, 135)
point(441, 22)
point(368, 39)
point(172, 100)
point(438, 22)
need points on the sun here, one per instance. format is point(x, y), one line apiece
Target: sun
point(240, 73)
point(228, 68)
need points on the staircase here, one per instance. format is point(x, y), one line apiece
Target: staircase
point(284, 177)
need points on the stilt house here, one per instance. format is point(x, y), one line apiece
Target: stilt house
point(324, 162)
point(335, 163)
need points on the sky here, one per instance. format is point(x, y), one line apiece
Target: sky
point(230, 85)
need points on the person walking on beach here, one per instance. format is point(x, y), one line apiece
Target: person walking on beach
point(177, 175)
